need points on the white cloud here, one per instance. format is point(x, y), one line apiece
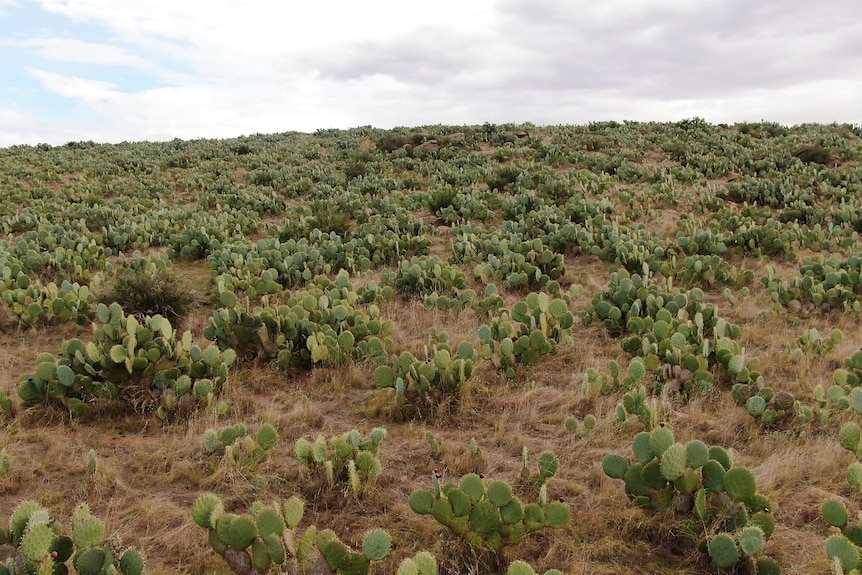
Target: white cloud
point(79, 52)
point(90, 91)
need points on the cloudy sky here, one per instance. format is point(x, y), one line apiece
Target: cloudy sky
point(114, 70)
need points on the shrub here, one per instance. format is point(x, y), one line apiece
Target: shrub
point(149, 292)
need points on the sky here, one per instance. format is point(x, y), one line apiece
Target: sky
point(131, 70)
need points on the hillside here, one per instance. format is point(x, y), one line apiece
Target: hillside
point(488, 295)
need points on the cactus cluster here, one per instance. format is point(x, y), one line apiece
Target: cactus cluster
point(824, 284)
point(637, 403)
point(615, 380)
point(678, 335)
point(485, 513)
point(241, 451)
point(718, 500)
point(774, 409)
point(321, 324)
point(347, 458)
point(424, 275)
point(42, 547)
point(530, 330)
point(421, 386)
point(268, 536)
point(128, 359)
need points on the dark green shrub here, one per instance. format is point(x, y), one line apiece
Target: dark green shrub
point(147, 292)
point(813, 154)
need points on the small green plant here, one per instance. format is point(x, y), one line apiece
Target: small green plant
point(347, 458)
point(41, 546)
point(268, 537)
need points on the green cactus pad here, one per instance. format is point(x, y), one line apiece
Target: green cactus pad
point(767, 566)
point(260, 555)
point(269, 521)
point(673, 462)
point(641, 446)
point(713, 476)
point(520, 568)
point(421, 502)
point(19, 519)
point(689, 481)
point(548, 464)
point(132, 563)
point(407, 567)
point(765, 521)
point(89, 561)
point(275, 547)
point(849, 436)
point(835, 513)
point(614, 466)
point(557, 515)
point(238, 531)
point(472, 485)
point(442, 511)
point(302, 449)
point(335, 553)
point(721, 455)
point(267, 436)
point(652, 476)
point(88, 532)
point(460, 502)
point(534, 517)
point(700, 504)
point(751, 540)
point(722, 549)
point(206, 510)
point(426, 563)
point(660, 439)
point(294, 508)
point(36, 541)
point(216, 543)
point(499, 493)
point(512, 512)
point(841, 547)
point(376, 544)
point(696, 453)
point(854, 475)
point(64, 547)
point(739, 483)
point(485, 518)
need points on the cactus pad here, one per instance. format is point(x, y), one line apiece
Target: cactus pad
point(548, 464)
point(835, 513)
point(19, 519)
point(269, 522)
point(238, 531)
point(614, 466)
point(641, 447)
point(89, 561)
point(499, 493)
point(267, 436)
point(696, 453)
point(421, 502)
point(36, 541)
point(520, 568)
point(849, 436)
point(722, 549)
point(207, 510)
point(838, 546)
point(484, 518)
point(557, 515)
point(660, 439)
point(472, 485)
point(739, 483)
point(721, 455)
point(376, 545)
point(132, 563)
point(751, 540)
point(294, 509)
point(673, 462)
point(88, 532)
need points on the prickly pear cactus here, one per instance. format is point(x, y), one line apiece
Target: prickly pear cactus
point(698, 486)
point(43, 547)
